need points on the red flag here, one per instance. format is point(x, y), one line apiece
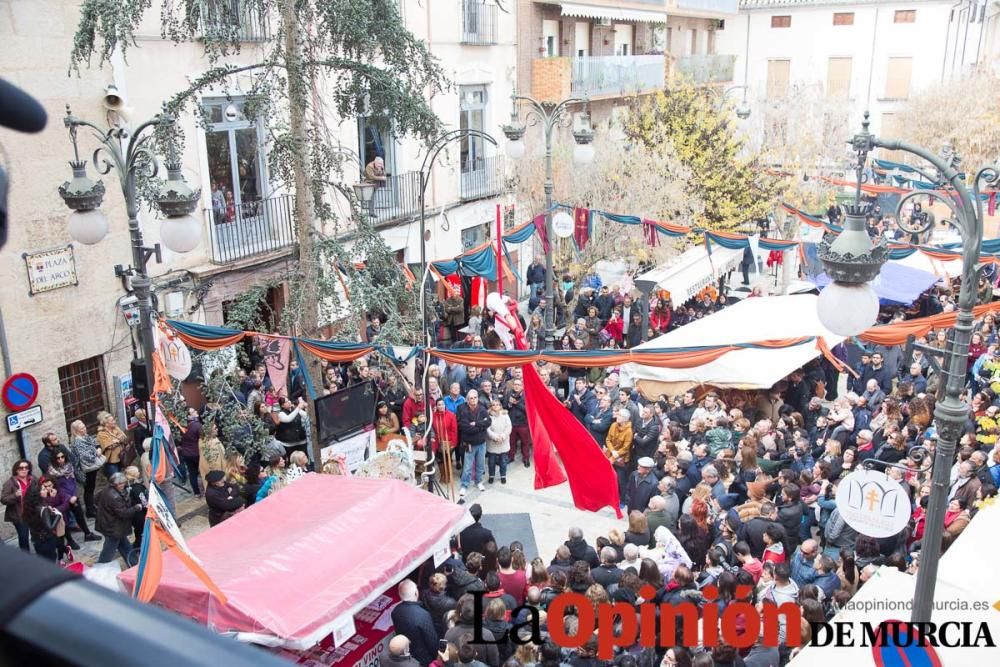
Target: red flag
point(592, 480)
point(581, 228)
point(540, 230)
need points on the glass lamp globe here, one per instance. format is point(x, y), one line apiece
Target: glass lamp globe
point(583, 154)
point(181, 233)
point(88, 227)
point(515, 149)
point(847, 309)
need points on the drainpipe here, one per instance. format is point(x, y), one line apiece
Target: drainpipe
point(22, 446)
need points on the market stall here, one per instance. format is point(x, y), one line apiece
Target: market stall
point(300, 566)
point(691, 271)
point(897, 284)
point(758, 319)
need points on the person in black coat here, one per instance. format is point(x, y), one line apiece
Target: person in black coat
point(608, 574)
point(753, 530)
point(647, 434)
point(790, 513)
point(473, 422)
point(223, 499)
point(579, 549)
point(438, 603)
point(642, 485)
point(474, 538)
point(409, 618)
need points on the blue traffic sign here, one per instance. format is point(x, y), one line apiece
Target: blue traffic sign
point(19, 391)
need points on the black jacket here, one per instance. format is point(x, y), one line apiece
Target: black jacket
point(474, 538)
point(412, 620)
point(753, 534)
point(222, 501)
point(790, 517)
point(639, 491)
point(114, 514)
point(606, 575)
point(580, 550)
point(438, 604)
point(645, 440)
point(461, 582)
point(515, 408)
point(472, 424)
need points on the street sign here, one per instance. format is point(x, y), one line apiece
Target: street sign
point(19, 391)
point(29, 417)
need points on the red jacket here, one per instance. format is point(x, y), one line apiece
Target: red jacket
point(411, 409)
point(445, 429)
point(615, 329)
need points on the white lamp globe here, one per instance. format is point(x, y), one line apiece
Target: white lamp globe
point(88, 227)
point(181, 234)
point(515, 149)
point(847, 309)
point(583, 154)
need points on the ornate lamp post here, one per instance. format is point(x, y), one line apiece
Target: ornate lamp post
point(854, 261)
point(131, 156)
point(550, 115)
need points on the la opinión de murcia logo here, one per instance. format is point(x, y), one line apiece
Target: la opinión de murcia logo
point(741, 625)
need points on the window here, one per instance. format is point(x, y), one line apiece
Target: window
point(838, 77)
point(236, 159)
point(83, 390)
point(711, 42)
point(781, 21)
point(475, 235)
point(905, 16)
point(550, 38)
point(843, 18)
point(897, 78)
point(777, 77)
point(670, 40)
point(473, 101)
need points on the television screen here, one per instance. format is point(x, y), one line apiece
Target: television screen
point(346, 411)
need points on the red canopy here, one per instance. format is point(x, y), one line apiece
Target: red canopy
point(313, 554)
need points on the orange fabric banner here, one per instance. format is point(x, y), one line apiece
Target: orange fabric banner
point(896, 334)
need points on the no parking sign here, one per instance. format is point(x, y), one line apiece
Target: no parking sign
point(19, 391)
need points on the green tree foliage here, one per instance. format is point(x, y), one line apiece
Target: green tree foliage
point(689, 122)
point(366, 62)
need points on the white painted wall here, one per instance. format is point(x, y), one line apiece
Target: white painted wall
point(812, 39)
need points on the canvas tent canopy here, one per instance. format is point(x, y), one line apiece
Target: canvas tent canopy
point(297, 564)
point(750, 320)
point(692, 271)
point(896, 283)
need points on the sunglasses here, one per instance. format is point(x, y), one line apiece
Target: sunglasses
point(60, 458)
point(24, 467)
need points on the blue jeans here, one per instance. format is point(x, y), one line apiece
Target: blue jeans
point(112, 544)
point(500, 459)
point(476, 453)
point(111, 468)
point(23, 535)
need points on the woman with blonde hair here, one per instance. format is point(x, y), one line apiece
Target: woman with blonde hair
point(88, 455)
point(498, 441)
point(112, 441)
point(298, 466)
point(638, 529)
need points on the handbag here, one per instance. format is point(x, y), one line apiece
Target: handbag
point(51, 518)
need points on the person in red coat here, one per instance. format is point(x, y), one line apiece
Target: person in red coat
point(413, 405)
point(615, 327)
point(445, 427)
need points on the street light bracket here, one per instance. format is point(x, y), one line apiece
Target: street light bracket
point(851, 257)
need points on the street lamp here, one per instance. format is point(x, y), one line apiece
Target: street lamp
point(550, 115)
point(433, 150)
point(950, 413)
point(131, 156)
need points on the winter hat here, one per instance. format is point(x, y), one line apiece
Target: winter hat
point(214, 476)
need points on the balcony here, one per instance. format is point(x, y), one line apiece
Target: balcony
point(595, 76)
point(398, 196)
point(255, 228)
point(482, 177)
point(704, 69)
point(226, 19)
point(710, 6)
point(479, 23)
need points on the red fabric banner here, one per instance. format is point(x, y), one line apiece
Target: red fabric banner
point(581, 227)
point(592, 480)
point(276, 352)
point(541, 231)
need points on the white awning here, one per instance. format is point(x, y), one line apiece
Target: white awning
point(693, 270)
point(613, 13)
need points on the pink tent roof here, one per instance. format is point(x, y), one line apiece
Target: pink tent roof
point(313, 553)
